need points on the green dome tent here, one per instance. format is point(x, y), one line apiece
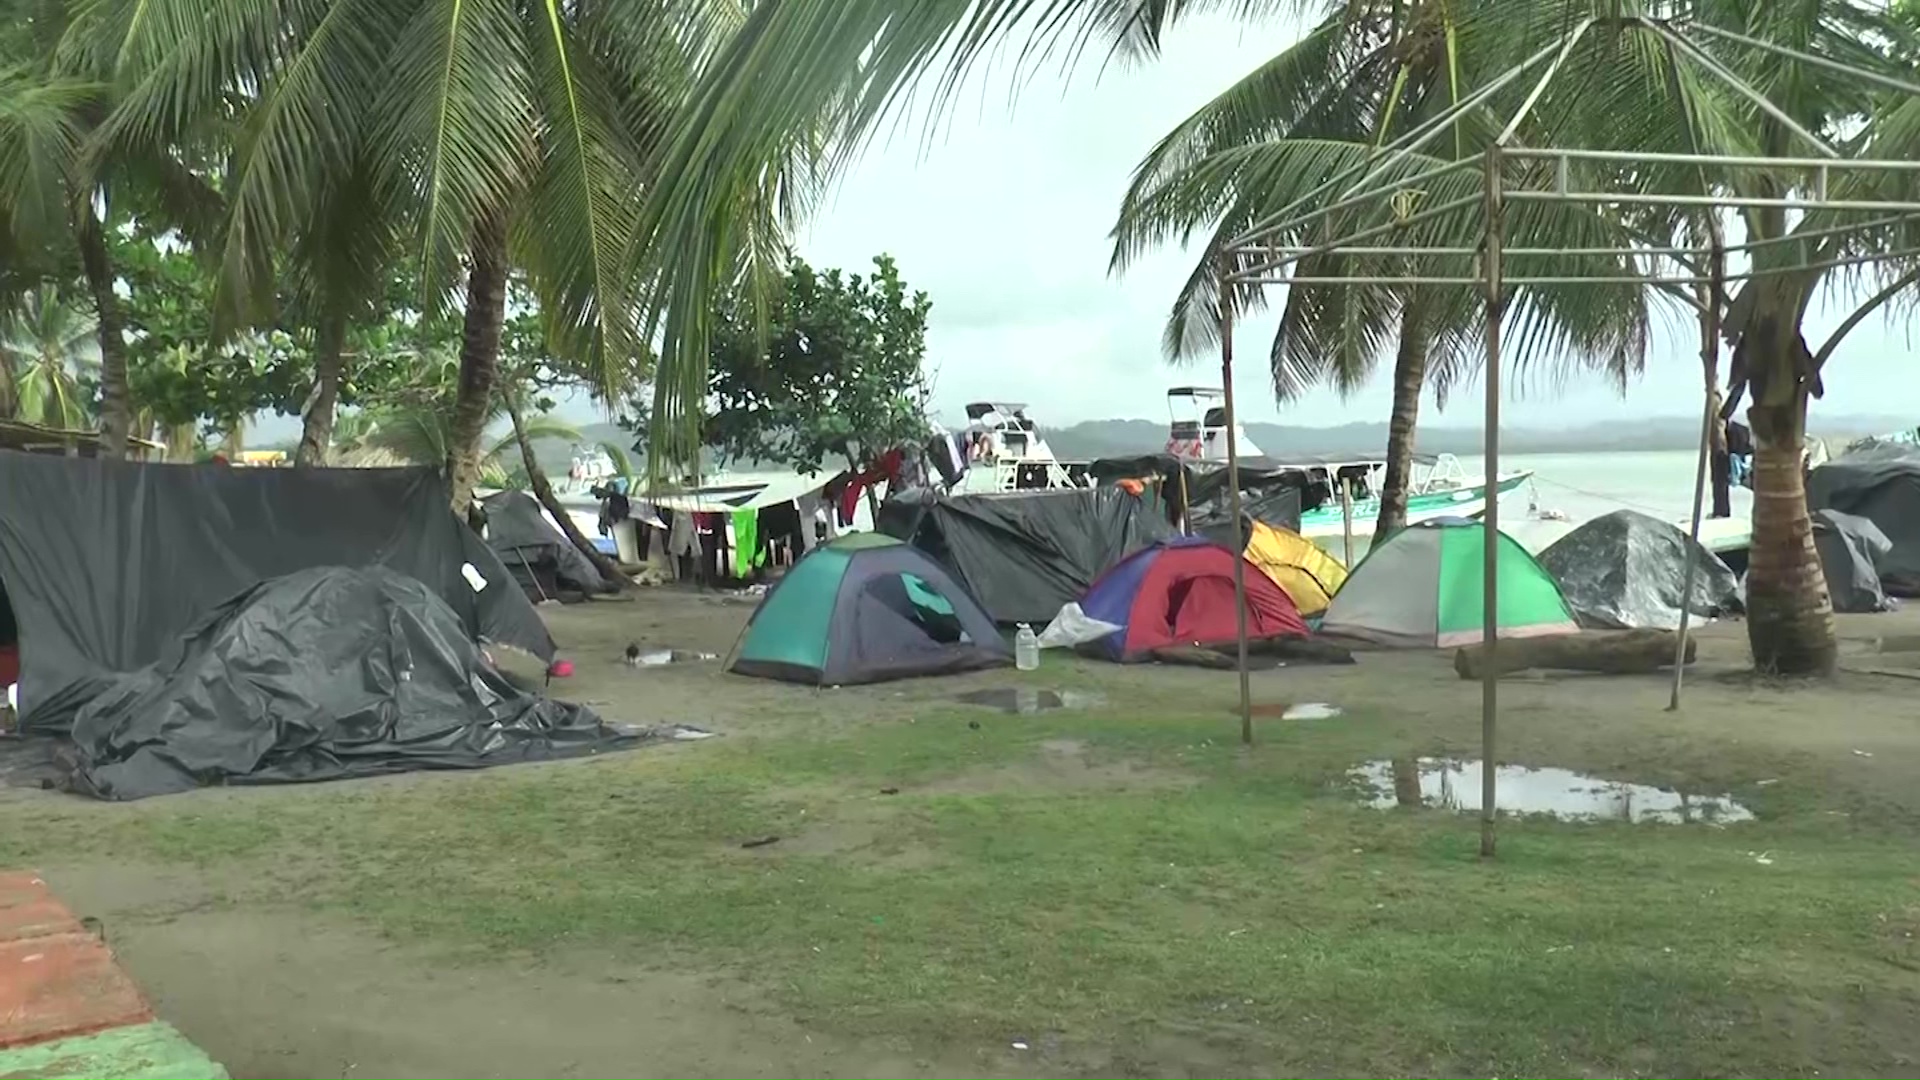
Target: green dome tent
point(1422, 588)
point(867, 608)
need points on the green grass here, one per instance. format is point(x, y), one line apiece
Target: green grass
point(1240, 901)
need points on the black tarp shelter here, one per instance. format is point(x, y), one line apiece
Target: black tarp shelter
point(323, 674)
point(1270, 491)
point(1851, 549)
point(541, 559)
point(107, 563)
point(1626, 570)
point(1025, 554)
point(1882, 484)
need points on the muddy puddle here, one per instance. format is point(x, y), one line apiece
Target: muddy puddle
point(1024, 702)
point(1450, 784)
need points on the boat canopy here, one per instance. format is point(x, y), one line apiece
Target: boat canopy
point(979, 409)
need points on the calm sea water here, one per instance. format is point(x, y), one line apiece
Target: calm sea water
point(1657, 482)
point(1585, 486)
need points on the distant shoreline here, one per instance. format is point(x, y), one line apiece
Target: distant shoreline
point(1114, 438)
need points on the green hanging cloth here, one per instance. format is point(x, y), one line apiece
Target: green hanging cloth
point(746, 543)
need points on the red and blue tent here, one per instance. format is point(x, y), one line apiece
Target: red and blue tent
point(1180, 592)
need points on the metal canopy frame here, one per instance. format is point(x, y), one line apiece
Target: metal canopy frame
point(1695, 274)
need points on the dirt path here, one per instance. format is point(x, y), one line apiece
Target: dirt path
point(281, 992)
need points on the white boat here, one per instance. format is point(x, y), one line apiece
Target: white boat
point(1006, 452)
point(1439, 488)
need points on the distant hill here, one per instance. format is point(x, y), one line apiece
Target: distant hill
point(1113, 438)
point(1119, 438)
point(556, 455)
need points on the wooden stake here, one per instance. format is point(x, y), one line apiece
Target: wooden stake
point(1710, 362)
point(1490, 566)
point(1233, 501)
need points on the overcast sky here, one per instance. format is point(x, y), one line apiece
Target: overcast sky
point(1004, 221)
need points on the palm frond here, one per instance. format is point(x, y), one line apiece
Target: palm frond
point(453, 130)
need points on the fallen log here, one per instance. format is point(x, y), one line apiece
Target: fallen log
point(1611, 652)
point(1195, 656)
point(1299, 650)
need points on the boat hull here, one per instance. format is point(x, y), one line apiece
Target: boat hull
point(1470, 501)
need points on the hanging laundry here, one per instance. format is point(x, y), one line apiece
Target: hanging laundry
point(747, 552)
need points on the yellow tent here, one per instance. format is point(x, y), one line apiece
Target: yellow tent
point(1296, 564)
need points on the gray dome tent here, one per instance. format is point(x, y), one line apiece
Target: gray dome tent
point(1626, 570)
point(541, 559)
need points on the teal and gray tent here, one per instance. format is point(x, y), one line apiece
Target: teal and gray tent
point(867, 608)
point(1422, 587)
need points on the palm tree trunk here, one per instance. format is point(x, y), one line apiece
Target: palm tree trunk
point(329, 362)
point(116, 406)
point(1409, 376)
point(479, 359)
point(9, 388)
point(1789, 616)
point(543, 491)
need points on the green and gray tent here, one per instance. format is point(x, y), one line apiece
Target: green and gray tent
point(867, 608)
point(1422, 587)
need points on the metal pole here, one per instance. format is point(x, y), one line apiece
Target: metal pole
point(1399, 148)
point(1346, 515)
point(1899, 85)
point(1709, 361)
point(1396, 225)
point(1490, 563)
point(1233, 503)
point(1740, 86)
point(1520, 114)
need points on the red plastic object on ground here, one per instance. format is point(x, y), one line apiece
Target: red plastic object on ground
point(56, 979)
point(561, 669)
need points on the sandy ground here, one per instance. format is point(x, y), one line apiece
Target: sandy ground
point(281, 991)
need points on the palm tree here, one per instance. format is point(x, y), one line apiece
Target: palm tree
point(1366, 75)
point(497, 135)
point(46, 346)
point(58, 198)
point(422, 433)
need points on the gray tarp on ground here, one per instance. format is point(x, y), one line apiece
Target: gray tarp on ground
point(108, 562)
point(1025, 554)
point(1626, 570)
point(538, 555)
point(1882, 484)
point(1850, 550)
point(322, 674)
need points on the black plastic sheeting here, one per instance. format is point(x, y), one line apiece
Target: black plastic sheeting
point(1851, 549)
point(1270, 492)
point(1627, 570)
point(107, 562)
point(1024, 555)
point(1882, 484)
point(319, 675)
point(539, 556)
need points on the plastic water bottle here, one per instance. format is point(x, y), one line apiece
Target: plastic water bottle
point(1026, 649)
